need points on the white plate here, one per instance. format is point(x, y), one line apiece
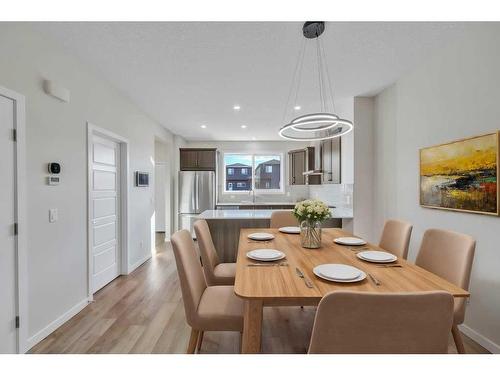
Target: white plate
point(377, 256)
point(261, 236)
point(290, 230)
point(265, 255)
point(352, 241)
point(362, 276)
point(338, 271)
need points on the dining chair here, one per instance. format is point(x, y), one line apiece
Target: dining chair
point(449, 255)
point(349, 322)
point(396, 237)
point(207, 308)
point(216, 273)
point(283, 219)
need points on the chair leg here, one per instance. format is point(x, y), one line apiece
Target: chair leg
point(200, 340)
point(457, 337)
point(193, 339)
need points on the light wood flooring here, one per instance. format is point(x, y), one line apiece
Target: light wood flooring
point(143, 313)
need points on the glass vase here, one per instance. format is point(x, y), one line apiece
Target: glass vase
point(310, 234)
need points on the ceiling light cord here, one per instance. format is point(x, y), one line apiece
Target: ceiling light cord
point(330, 87)
point(300, 59)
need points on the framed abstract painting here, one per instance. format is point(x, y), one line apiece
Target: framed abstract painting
point(461, 175)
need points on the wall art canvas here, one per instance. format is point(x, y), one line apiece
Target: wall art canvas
point(461, 175)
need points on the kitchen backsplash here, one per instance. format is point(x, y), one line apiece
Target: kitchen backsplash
point(338, 195)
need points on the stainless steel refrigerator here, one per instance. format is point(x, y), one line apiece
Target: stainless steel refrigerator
point(196, 194)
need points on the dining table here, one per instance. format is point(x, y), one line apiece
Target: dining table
point(291, 281)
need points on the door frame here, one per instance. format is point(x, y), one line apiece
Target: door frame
point(124, 200)
point(20, 212)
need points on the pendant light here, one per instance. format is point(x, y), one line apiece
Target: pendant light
point(320, 125)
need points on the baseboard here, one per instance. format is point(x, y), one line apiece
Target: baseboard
point(134, 266)
point(480, 339)
point(51, 327)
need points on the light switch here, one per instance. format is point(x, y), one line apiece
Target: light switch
point(53, 215)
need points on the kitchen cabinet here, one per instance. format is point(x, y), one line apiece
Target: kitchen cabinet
point(330, 160)
point(300, 161)
point(198, 159)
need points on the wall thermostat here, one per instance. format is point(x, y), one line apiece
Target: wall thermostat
point(54, 168)
point(53, 180)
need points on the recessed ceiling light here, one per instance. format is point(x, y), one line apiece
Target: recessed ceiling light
point(243, 126)
point(297, 107)
point(203, 126)
point(236, 107)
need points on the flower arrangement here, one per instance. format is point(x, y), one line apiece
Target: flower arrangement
point(311, 210)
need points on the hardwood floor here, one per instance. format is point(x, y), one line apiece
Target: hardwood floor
point(143, 313)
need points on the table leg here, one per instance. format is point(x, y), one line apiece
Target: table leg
point(252, 327)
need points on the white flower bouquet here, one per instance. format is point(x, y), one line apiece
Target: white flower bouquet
point(311, 211)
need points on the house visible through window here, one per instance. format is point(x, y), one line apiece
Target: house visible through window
point(247, 172)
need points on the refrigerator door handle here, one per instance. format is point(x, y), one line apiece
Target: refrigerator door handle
point(196, 193)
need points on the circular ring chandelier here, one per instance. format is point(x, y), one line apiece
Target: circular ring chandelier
point(314, 126)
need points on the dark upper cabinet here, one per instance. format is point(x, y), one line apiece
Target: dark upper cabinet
point(198, 159)
point(300, 161)
point(331, 160)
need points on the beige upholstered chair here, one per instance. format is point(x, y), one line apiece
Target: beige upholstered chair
point(367, 323)
point(283, 219)
point(449, 255)
point(396, 237)
point(216, 273)
point(213, 308)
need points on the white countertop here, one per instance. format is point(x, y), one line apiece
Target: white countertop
point(255, 204)
point(337, 213)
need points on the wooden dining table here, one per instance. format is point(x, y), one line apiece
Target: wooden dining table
point(261, 286)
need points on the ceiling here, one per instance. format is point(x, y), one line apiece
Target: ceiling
point(185, 75)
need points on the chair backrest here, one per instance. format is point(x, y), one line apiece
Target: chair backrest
point(449, 255)
point(393, 323)
point(396, 237)
point(190, 273)
point(209, 256)
point(283, 219)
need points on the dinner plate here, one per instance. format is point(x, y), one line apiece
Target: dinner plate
point(290, 230)
point(265, 255)
point(261, 236)
point(377, 256)
point(338, 271)
point(361, 276)
point(352, 241)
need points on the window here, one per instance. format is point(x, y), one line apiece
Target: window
point(247, 172)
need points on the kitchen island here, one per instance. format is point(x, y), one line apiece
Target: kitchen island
point(225, 226)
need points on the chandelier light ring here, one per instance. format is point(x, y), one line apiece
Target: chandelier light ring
point(340, 128)
point(315, 126)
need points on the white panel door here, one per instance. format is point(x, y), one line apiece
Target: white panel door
point(104, 211)
point(8, 264)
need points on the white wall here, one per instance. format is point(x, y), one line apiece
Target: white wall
point(363, 167)
point(56, 131)
point(453, 95)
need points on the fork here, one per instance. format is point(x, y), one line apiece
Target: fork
point(302, 276)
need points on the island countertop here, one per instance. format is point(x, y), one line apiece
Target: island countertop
point(337, 213)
